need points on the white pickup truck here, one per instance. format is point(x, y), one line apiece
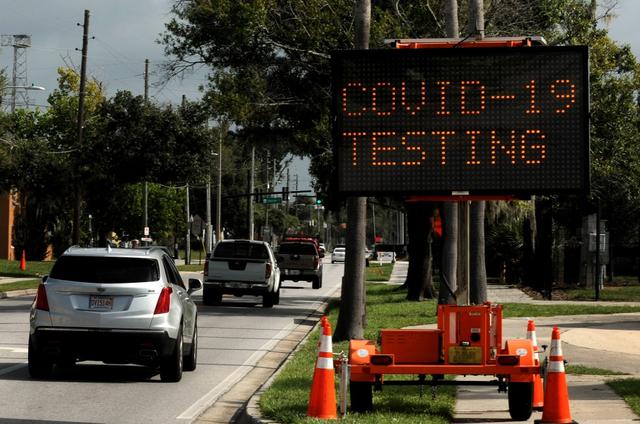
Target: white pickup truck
point(241, 267)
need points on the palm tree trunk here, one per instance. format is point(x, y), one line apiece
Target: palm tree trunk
point(448, 281)
point(352, 315)
point(448, 278)
point(478, 286)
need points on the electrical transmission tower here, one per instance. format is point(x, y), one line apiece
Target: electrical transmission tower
point(19, 97)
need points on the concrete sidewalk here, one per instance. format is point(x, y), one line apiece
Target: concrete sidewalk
point(609, 342)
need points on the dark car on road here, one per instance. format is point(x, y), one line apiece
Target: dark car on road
point(300, 260)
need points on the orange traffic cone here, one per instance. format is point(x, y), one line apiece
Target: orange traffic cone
point(23, 262)
point(322, 400)
point(556, 395)
point(538, 390)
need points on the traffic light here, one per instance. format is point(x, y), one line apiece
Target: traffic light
point(318, 202)
point(285, 194)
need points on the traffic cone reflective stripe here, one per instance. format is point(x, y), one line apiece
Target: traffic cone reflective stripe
point(322, 399)
point(556, 395)
point(538, 388)
point(326, 344)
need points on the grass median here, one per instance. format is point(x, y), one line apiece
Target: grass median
point(20, 285)
point(34, 268)
point(629, 390)
point(286, 400)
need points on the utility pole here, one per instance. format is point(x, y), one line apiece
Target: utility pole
point(208, 235)
point(251, 189)
point(80, 127)
point(266, 206)
point(219, 191)
point(187, 246)
point(146, 183)
point(287, 201)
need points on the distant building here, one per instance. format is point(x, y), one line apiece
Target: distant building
point(8, 202)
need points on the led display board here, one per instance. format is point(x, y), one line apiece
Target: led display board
point(478, 120)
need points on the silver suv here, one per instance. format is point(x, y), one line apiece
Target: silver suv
point(115, 306)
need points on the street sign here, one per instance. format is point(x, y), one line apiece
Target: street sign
point(271, 200)
point(462, 120)
point(146, 231)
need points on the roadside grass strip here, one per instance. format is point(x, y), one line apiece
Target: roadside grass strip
point(516, 310)
point(614, 293)
point(34, 268)
point(378, 272)
point(20, 285)
point(629, 390)
point(191, 268)
point(583, 370)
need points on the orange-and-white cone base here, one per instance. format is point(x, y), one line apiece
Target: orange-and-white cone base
point(556, 395)
point(538, 389)
point(322, 400)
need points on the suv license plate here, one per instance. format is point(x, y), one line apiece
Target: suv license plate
point(293, 272)
point(104, 303)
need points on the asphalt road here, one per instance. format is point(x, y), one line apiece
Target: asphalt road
point(232, 340)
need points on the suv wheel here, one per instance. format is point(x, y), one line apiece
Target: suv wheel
point(191, 360)
point(39, 366)
point(276, 297)
point(171, 366)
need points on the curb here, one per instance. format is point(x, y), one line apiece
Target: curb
point(18, 293)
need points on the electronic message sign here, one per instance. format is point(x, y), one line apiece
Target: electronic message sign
point(477, 120)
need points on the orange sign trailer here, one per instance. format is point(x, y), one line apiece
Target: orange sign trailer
point(467, 341)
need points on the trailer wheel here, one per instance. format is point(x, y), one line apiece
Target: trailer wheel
point(361, 396)
point(520, 400)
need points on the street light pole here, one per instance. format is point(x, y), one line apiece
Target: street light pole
point(219, 193)
point(208, 228)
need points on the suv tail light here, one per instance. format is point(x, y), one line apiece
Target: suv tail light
point(267, 270)
point(42, 303)
point(162, 307)
point(206, 267)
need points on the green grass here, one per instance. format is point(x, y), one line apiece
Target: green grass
point(629, 390)
point(191, 268)
point(378, 272)
point(620, 293)
point(20, 285)
point(513, 310)
point(582, 370)
point(34, 268)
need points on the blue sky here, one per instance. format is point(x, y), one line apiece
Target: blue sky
point(125, 34)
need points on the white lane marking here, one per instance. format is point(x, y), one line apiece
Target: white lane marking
point(12, 368)
point(210, 398)
point(15, 349)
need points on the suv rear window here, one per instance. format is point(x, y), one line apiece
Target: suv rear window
point(236, 250)
point(107, 270)
point(297, 249)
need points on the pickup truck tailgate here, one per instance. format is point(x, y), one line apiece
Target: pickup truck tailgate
point(250, 270)
point(297, 261)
